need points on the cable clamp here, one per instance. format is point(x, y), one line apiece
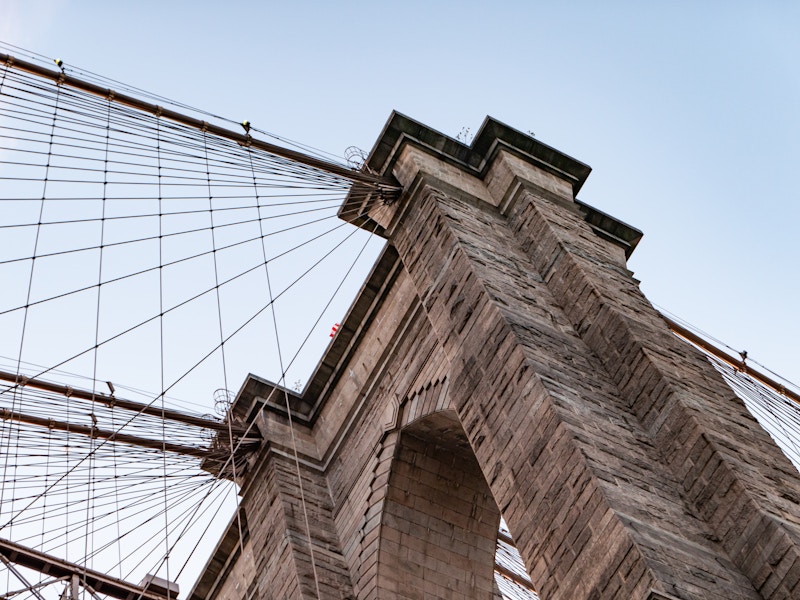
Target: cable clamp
point(9, 61)
point(248, 141)
point(62, 77)
point(22, 380)
point(159, 112)
point(68, 391)
point(203, 126)
point(110, 96)
point(51, 423)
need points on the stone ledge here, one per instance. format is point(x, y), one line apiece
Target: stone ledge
point(611, 228)
point(476, 159)
point(257, 393)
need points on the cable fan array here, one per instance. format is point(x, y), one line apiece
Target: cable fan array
point(773, 400)
point(147, 266)
point(158, 262)
point(775, 412)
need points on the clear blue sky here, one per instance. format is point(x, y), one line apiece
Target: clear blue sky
point(688, 113)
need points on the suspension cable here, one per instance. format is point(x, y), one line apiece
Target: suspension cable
point(387, 186)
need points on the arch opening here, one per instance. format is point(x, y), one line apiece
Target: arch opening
point(440, 520)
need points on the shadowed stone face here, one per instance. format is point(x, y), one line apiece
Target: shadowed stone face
point(439, 520)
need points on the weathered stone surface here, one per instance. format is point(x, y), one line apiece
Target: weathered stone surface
point(501, 359)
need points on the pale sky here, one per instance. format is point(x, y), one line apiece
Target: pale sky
point(687, 113)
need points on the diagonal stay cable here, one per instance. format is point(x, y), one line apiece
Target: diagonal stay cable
point(187, 258)
point(180, 378)
point(151, 238)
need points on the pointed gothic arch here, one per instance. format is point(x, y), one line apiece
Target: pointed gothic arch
point(440, 521)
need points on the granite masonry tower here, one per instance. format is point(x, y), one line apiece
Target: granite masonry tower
point(500, 359)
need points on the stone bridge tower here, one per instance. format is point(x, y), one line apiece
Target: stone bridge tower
point(501, 359)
